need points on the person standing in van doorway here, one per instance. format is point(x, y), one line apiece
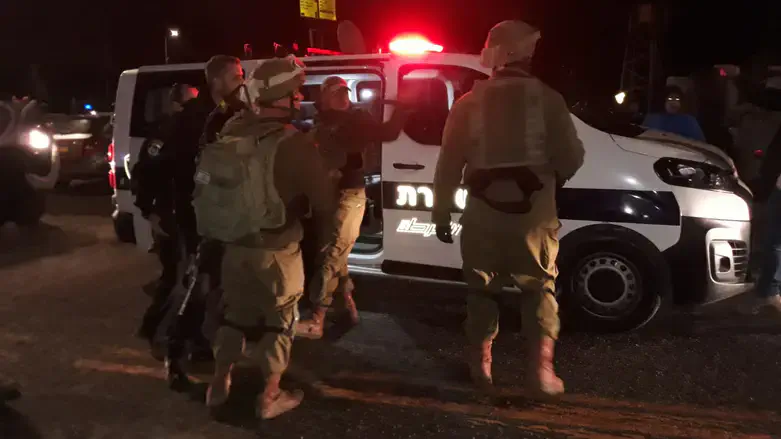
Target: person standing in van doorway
point(516, 139)
point(263, 268)
point(344, 134)
point(200, 121)
point(672, 120)
point(154, 190)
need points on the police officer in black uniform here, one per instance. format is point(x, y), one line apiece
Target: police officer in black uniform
point(153, 185)
point(199, 123)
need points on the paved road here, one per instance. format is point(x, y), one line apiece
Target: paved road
point(70, 301)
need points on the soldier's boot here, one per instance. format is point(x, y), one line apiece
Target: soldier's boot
point(478, 358)
point(312, 328)
point(176, 375)
point(219, 389)
point(9, 390)
point(541, 378)
point(201, 350)
point(274, 401)
point(352, 310)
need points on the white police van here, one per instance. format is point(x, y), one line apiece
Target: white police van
point(650, 216)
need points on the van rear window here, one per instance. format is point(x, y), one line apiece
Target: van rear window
point(150, 98)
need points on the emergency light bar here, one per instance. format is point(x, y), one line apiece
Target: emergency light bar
point(413, 45)
point(315, 51)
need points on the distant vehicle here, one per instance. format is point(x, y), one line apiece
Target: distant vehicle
point(82, 142)
point(29, 163)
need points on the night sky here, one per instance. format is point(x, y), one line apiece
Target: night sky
point(81, 46)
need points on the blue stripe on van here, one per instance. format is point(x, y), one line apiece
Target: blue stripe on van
point(608, 205)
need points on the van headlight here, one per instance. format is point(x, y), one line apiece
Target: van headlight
point(37, 139)
point(687, 173)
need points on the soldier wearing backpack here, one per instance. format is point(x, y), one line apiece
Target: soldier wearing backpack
point(253, 185)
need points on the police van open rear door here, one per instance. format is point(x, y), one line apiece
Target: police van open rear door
point(410, 246)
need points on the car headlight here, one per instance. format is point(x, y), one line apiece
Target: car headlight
point(687, 173)
point(38, 139)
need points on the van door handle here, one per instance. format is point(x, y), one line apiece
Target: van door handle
point(410, 166)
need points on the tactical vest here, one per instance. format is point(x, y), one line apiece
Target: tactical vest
point(235, 193)
point(509, 127)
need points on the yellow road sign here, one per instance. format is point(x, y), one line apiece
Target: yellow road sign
point(308, 8)
point(327, 9)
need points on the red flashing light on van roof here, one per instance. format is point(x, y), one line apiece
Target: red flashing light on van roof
point(413, 45)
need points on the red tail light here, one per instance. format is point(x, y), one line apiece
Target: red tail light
point(758, 153)
point(112, 177)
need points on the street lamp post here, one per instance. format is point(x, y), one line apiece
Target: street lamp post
point(172, 33)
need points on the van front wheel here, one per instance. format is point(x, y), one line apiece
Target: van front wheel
point(609, 287)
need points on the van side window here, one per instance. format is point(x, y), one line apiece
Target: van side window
point(437, 88)
point(150, 97)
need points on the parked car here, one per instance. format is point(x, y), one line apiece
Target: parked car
point(29, 165)
point(82, 142)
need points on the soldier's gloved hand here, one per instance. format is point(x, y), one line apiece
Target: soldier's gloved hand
point(444, 233)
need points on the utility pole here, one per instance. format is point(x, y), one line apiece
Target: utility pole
point(640, 73)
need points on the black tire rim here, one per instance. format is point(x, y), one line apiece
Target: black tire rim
point(608, 286)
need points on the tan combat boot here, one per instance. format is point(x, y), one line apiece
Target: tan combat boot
point(274, 401)
point(478, 358)
point(352, 310)
point(541, 378)
point(312, 328)
point(220, 387)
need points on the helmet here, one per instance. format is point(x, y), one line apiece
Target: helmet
point(275, 79)
point(509, 41)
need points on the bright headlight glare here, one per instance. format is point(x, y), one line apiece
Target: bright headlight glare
point(692, 174)
point(37, 139)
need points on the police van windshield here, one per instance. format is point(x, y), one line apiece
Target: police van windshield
point(604, 117)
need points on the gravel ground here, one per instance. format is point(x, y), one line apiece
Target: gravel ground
point(70, 300)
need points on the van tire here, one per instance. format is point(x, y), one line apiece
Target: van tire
point(124, 228)
point(608, 285)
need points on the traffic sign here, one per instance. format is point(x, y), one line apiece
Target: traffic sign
point(318, 9)
point(308, 8)
point(327, 9)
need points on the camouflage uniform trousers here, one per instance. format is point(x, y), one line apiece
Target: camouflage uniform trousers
point(262, 288)
point(332, 274)
point(526, 260)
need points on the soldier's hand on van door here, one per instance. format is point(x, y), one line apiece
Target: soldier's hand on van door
point(444, 233)
point(157, 229)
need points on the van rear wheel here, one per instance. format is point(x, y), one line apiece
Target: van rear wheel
point(609, 287)
point(123, 227)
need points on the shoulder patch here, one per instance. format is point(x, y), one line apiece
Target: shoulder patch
point(203, 177)
point(154, 148)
